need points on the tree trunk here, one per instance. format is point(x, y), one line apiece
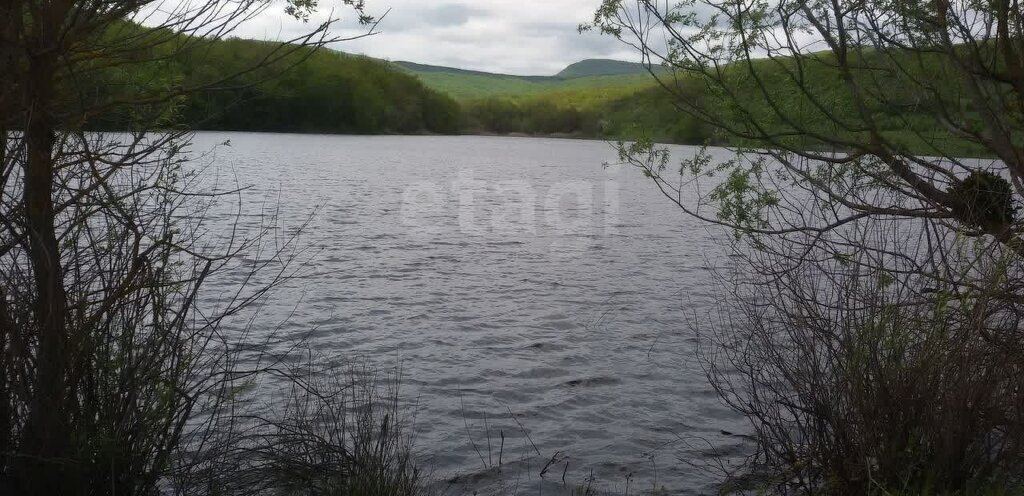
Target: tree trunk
point(47, 465)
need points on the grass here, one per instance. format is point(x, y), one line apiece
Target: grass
point(335, 431)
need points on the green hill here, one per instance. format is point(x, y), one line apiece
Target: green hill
point(415, 68)
point(602, 75)
point(328, 92)
point(576, 107)
point(299, 90)
point(601, 67)
point(332, 92)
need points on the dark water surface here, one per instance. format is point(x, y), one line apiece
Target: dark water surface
point(503, 274)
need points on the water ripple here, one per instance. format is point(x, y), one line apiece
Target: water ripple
point(506, 275)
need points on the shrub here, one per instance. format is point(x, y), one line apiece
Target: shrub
point(859, 381)
point(335, 431)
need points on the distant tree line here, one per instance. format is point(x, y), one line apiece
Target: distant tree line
point(647, 113)
point(502, 116)
point(658, 112)
point(325, 91)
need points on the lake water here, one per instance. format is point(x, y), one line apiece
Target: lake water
point(503, 274)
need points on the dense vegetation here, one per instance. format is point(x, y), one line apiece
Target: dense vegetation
point(592, 98)
point(331, 92)
point(584, 76)
point(601, 67)
point(328, 92)
point(626, 113)
point(306, 90)
point(650, 109)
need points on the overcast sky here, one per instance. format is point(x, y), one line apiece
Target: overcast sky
point(529, 37)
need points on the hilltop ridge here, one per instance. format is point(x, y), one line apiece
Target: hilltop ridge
point(583, 68)
point(601, 67)
point(465, 84)
point(416, 67)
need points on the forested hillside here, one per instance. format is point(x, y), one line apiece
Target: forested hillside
point(300, 90)
point(593, 98)
point(601, 67)
point(646, 110)
point(585, 77)
point(621, 113)
point(326, 91)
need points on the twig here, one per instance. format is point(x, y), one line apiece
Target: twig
point(550, 462)
point(469, 433)
point(527, 433)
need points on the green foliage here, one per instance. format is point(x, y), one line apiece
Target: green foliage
point(631, 105)
point(605, 113)
point(305, 90)
point(651, 113)
point(805, 102)
point(327, 92)
point(540, 116)
point(601, 67)
point(331, 92)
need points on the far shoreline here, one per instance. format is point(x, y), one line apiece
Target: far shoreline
point(558, 136)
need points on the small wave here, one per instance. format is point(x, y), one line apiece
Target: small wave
point(592, 382)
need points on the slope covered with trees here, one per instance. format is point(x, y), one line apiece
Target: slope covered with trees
point(585, 76)
point(631, 113)
point(307, 90)
point(651, 110)
point(601, 67)
point(327, 91)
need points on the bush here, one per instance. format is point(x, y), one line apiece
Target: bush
point(336, 431)
point(860, 381)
